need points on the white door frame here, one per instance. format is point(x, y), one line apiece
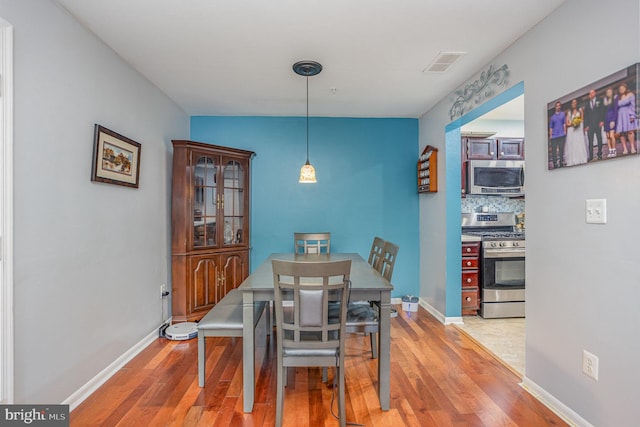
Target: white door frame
point(6, 212)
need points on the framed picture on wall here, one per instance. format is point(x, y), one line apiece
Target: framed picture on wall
point(116, 158)
point(596, 122)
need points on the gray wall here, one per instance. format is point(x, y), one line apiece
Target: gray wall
point(89, 257)
point(582, 279)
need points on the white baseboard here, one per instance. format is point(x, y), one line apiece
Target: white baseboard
point(431, 309)
point(551, 402)
point(86, 390)
point(438, 315)
point(457, 320)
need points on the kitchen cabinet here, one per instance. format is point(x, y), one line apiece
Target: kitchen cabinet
point(210, 225)
point(510, 149)
point(463, 167)
point(494, 148)
point(470, 278)
point(480, 148)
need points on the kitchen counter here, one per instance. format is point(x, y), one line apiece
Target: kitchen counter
point(470, 238)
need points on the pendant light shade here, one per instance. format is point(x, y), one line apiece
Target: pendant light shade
point(307, 68)
point(307, 174)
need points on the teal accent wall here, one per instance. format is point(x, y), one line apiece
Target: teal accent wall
point(453, 204)
point(366, 171)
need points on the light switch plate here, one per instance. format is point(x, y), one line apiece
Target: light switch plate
point(596, 211)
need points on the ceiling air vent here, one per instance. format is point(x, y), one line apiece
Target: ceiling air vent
point(443, 61)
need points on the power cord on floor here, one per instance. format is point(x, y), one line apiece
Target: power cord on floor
point(164, 324)
point(333, 398)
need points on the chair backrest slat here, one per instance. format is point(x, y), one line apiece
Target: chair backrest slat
point(312, 243)
point(390, 252)
point(375, 254)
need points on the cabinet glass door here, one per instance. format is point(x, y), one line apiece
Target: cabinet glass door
point(233, 176)
point(205, 201)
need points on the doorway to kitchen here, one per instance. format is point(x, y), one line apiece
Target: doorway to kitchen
point(499, 325)
point(501, 116)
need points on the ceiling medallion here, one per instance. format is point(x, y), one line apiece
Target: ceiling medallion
point(307, 68)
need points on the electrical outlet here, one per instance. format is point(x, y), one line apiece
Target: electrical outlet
point(163, 290)
point(590, 364)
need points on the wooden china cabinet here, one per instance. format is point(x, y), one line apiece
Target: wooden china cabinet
point(210, 225)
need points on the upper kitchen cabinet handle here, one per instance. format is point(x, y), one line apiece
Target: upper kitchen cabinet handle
point(502, 153)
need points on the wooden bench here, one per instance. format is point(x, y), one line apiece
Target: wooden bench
point(225, 320)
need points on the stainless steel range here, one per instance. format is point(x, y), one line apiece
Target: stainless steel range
point(502, 261)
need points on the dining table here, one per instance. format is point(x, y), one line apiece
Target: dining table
point(367, 284)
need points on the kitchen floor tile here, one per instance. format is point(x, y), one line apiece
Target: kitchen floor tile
point(503, 337)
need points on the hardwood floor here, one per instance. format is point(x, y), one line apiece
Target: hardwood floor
point(439, 377)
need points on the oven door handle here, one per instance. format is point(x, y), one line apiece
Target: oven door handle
point(492, 253)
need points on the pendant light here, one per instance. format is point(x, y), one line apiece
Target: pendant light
point(307, 68)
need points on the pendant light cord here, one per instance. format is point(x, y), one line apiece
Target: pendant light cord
point(307, 69)
point(307, 119)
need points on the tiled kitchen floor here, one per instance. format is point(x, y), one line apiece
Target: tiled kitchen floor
point(502, 337)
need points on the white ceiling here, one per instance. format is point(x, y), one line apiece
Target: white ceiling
point(234, 57)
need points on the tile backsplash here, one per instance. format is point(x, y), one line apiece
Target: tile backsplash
point(492, 203)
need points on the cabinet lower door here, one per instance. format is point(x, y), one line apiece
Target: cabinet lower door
point(235, 268)
point(204, 282)
point(210, 277)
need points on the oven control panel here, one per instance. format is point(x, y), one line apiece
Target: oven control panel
point(487, 217)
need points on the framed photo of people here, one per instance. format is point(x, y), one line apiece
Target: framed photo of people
point(596, 122)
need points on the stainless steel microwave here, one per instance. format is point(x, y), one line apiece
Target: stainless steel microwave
point(496, 177)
